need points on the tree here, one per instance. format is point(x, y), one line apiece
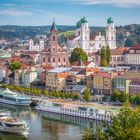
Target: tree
point(108, 55)
point(87, 94)
point(129, 42)
point(14, 65)
point(103, 57)
point(125, 126)
point(77, 54)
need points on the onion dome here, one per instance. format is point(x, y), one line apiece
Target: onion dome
point(78, 24)
point(110, 20)
point(84, 20)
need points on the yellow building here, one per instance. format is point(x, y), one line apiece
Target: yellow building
point(56, 79)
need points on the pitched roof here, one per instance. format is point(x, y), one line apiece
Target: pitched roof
point(129, 75)
point(119, 51)
point(53, 28)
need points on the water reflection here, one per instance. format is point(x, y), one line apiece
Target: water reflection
point(47, 126)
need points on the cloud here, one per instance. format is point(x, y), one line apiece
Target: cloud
point(51, 14)
point(15, 13)
point(120, 3)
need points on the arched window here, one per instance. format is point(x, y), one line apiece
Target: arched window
point(53, 59)
point(64, 60)
point(58, 59)
point(53, 38)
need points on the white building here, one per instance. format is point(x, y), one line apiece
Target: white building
point(28, 76)
point(38, 46)
point(83, 39)
point(133, 55)
point(111, 33)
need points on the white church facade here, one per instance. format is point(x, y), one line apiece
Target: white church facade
point(36, 45)
point(90, 44)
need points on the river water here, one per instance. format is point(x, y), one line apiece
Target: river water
point(47, 126)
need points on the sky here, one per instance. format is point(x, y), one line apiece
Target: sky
point(68, 12)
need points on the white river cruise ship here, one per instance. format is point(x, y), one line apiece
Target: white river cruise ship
point(79, 109)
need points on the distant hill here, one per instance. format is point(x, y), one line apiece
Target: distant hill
point(11, 31)
point(127, 35)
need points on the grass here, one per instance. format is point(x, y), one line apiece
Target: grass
point(68, 33)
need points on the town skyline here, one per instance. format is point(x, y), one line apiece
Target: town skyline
point(34, 13)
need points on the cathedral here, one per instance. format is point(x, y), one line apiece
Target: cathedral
point(89, 43)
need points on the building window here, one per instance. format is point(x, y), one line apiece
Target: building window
point(58, 59)
point(44, 59)
point(122, 58)
point(48, 59)
point(53, 38)
point(53, 59)
point(64, 60)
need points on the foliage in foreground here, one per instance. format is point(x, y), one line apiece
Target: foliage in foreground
point(122, 97)
point(125, 126)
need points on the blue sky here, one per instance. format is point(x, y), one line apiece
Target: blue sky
point(68, 12)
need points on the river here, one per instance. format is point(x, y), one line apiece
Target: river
point(47, 126)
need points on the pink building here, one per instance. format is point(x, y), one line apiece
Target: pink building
point(54, 55)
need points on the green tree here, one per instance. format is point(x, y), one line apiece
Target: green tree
point(125, 126)
point(87, 94)
point(14, 65)
point(78, 54)
point(108, 55)
point(103, 57)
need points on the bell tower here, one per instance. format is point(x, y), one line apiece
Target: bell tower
point(53, 34)
point(111, 33)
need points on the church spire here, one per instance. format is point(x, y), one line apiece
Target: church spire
point(53, 34)
point(53, 28)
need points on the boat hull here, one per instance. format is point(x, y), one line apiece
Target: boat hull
point(74, 115)
point(14, 130)
point(15, 103)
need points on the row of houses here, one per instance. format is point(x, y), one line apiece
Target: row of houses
point(102, 81)
point(120, 55)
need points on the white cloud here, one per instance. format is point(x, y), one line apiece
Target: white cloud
point(120, 3)
point(47, 13)
point(15, 13)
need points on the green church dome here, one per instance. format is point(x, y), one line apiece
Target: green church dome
point(84, 20)
point(110, 20)
point(78, 24)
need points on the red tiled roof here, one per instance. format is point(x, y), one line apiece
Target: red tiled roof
point(119, 51)
point(47, 67)
point(103, 74)
point(76, 63)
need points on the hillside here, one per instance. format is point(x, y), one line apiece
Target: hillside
point(130, 34)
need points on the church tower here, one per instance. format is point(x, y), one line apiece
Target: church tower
point(111, 33)
point(53, 34)
point(84, 32)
